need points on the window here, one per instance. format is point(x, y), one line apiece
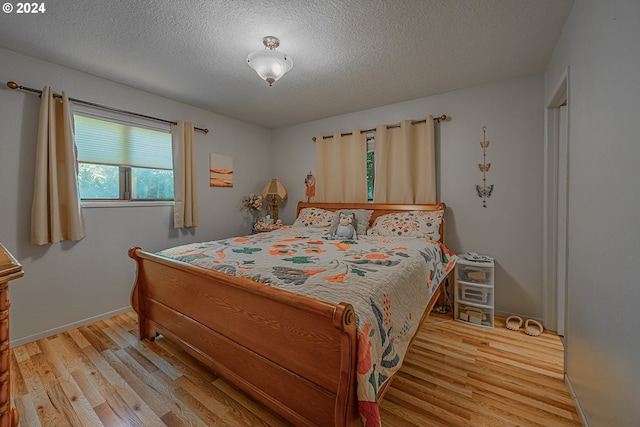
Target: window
point(370, 167)
point(120, 158)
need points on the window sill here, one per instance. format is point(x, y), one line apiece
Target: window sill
point(125, 204)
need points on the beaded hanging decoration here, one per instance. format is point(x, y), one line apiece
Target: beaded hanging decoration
point(484, 190)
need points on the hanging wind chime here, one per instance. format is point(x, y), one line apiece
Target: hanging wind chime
point(484, 190)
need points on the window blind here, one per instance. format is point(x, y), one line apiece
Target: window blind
point(120, 143)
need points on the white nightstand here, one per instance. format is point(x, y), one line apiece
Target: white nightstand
point(474, 296)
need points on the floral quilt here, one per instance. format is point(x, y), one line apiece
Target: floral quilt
point(388, 280)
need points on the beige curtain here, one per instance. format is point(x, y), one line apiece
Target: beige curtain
point(56, 213)
point(185, 209)
point(341, 168)
point(405, 163)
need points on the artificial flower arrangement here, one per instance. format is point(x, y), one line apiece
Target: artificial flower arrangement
point(252, 203)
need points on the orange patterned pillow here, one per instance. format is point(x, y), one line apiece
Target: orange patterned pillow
point(314, 217)
point(408, 224)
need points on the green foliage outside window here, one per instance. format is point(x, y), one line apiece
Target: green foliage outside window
point(98, 181)
point(151, 184)
point(103, 182)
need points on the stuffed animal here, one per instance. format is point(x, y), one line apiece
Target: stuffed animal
point(346, 229)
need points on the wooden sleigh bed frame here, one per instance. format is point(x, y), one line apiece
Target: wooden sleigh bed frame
point(262, 339)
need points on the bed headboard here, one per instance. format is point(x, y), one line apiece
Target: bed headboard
point(377, 208)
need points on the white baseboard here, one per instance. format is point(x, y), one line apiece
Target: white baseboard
point(64, 328)
point(583, 417)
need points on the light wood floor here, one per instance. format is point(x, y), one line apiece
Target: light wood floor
point(455, 375)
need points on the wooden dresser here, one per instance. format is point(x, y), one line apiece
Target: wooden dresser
point(9, 269)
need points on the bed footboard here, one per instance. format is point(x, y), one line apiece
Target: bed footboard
point(294, 354)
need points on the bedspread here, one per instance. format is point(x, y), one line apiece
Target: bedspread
point(388, 280)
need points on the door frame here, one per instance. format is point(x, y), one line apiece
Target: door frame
point(552, 229)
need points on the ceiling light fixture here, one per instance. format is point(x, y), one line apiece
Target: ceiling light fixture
point(268, 63)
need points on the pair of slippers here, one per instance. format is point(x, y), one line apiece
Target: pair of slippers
point(531, 327)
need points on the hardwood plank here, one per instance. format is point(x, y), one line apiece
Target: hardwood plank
point(201, 415)
point(72, 400)
point(114, 384)
point(229, 410)
point(27, 410)
point(526, 407)
point(154, 390)
point(432, 409)
point(61, 402)
point(117, 338)
point(455, 375)
point(97, 338)
point(107, 416)
point(187, 364)
point(400, 416)
point(146, 393)
point(507, 366)
point(172, 420)
point(18, 387)
point(127, 330)
point(406, 389)
point(79, 339)
point(89, 388)
point(551, 392)
point(47, 412)
point(233, 394)
point(32, 348)
point(140, 359)
point(190, 392)
point(20, 353)
point(122, 409)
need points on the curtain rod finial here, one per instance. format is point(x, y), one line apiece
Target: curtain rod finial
point(13, 85)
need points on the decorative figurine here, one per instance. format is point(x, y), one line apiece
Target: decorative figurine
point(310, 182)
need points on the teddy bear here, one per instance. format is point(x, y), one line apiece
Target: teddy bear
point(346, 228)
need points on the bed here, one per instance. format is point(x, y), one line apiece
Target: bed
point(274, 312)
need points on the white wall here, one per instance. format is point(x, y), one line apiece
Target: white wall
point(599, 44)
point(75, 282)
point(510, 228)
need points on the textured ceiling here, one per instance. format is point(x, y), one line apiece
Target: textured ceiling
point(349, 55)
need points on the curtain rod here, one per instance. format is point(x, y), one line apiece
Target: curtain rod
point(439, 119)
point(14, 85)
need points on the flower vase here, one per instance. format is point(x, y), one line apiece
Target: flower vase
point(255, 216)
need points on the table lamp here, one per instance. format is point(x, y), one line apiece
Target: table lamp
point(272, 191)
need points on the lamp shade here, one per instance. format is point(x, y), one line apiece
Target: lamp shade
point(274, 188)
point(270, 64)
